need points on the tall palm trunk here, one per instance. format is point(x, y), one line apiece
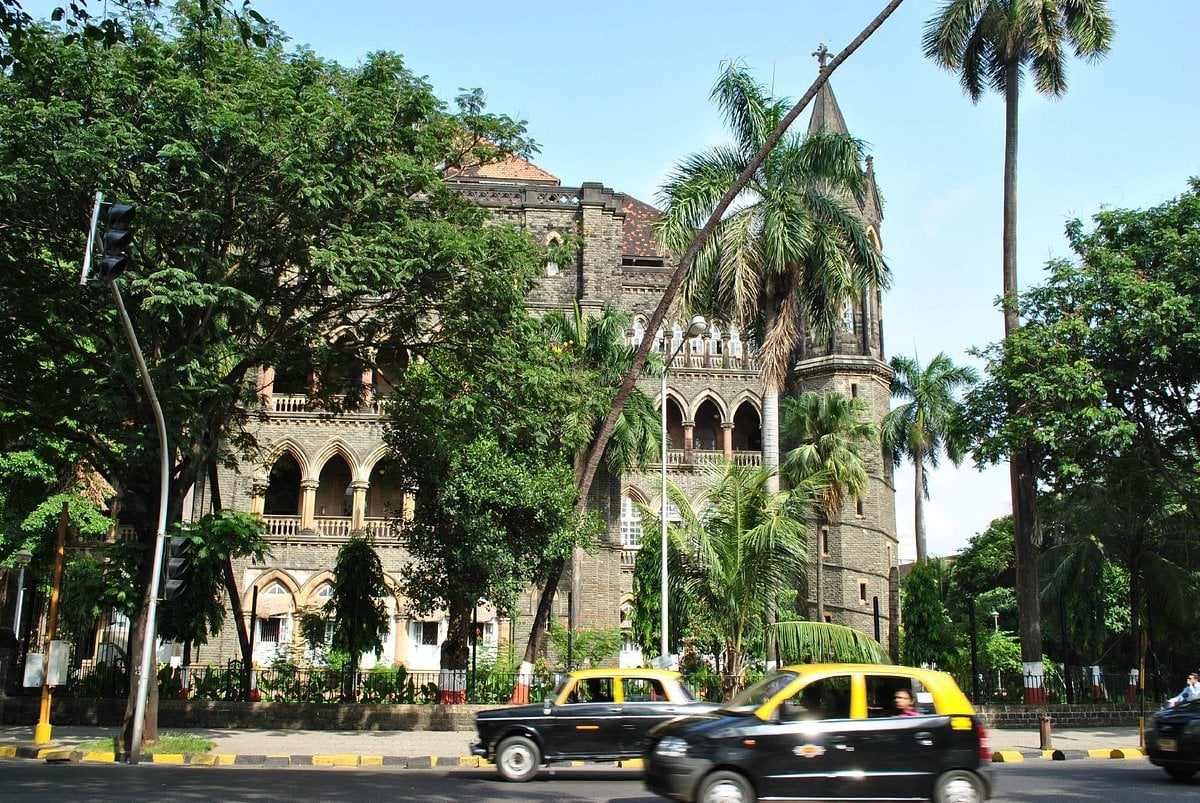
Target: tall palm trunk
point(770, 436)
point(919, 506)
point(1022, 476)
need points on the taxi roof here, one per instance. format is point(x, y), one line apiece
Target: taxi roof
point(611, 672)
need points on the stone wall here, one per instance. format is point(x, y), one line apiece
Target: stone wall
point(1061, 716)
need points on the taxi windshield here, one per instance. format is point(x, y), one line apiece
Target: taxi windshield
point(755, 695)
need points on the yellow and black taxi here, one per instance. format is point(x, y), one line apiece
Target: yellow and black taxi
point(828, 731)
point(1173, 740)
point(592, 715)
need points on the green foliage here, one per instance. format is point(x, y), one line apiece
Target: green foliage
point(829, 431)
point(588, 647)
point(356, 604)
point(81, 601)
point(736, 554)
point(928, 635)
point(814, 642)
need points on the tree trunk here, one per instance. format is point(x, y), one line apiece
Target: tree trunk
point(231, 589)
point(919, 506)
point(137, 633)
point(596, 450)
point(770, 444)
point(819, 563)
point(1022, 468)
point(456, 653)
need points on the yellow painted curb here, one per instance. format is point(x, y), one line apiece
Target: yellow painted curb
point(167, 758)
point(212, 759)
point(470, 761)
point(99, 755)
point(1007, 756)
point(8, 752)
point(370, 761)
point(1100, 752)
point(340, 760)
point(1126, 752)
point(632, 763)
point(54, 754)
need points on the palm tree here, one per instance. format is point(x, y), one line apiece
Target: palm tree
point(743, 546)
point(925, 425)
point(991, 43)
point(826, 463)
point(790, 255)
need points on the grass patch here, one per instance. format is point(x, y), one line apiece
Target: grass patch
point(167, 743)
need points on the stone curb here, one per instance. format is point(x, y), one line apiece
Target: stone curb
point(1011, 756)
point(60, 754)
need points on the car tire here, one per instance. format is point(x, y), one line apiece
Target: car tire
point(958, 786)
point(726, 787)
point(1180, 773)
point(518, 759)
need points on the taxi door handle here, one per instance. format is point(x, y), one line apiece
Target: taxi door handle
point(839, 743)
point(616, 709)
point(924, 738)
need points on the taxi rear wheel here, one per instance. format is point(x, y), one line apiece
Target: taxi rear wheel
point(726, 787)
point(518, 759)
point(1180, 773)
point(958, 786)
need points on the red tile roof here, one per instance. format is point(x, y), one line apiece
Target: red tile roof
point(511, 168)
point(639, 238)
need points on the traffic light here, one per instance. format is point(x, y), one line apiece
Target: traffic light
point(117, 241)
point(178, 566)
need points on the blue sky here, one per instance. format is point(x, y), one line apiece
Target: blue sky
point(618, 92)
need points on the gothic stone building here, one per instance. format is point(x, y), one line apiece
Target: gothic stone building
point(320, 481)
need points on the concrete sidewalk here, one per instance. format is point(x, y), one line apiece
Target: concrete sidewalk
point(440, 748)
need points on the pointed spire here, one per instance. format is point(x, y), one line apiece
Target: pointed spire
point(826, 116)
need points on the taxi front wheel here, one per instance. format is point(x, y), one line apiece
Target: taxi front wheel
point(958, 786)
point(517, 759)
point(726, 787)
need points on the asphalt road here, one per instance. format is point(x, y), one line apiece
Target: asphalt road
point(1111, 781)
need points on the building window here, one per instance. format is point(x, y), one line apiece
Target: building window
point(848, 316)
point(862, 591)
point(631, 524)
point(854, 390)
point(268, 629)
point(858, 508)
point(425, 634)
point(825, 541)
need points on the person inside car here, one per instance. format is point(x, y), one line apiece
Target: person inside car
point(904, 704)
point(1190, 692)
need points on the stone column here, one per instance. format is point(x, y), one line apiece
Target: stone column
point(258, 493)
point(724, 349)
point(689, 430)
point(727, 439)
point(358, 505)
point(268, 386)
point(308, 503)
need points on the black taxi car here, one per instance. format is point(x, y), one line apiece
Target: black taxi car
point(592, 715)
point(828, 731)
point(1173, 740)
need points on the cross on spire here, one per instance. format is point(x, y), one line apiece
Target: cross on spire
point(822, 54)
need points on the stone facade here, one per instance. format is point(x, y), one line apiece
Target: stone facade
point(317, 481)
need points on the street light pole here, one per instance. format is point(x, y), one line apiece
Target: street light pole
point(697, 327)
point(21, 557)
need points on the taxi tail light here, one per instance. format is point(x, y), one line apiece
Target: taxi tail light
point(985, 751)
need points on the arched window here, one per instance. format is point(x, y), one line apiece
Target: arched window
point(639, 332)
point(735, 342)
point(631, 524)
point(552, 241)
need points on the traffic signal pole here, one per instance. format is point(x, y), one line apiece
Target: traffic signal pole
point(150, 634)
point(117, 242)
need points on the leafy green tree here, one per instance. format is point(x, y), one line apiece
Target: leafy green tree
point(992, 44)
point(356, 606)
point(928, 635)
point(81, 602)
point(743, 547)
point(791, 255)
point(814, 642)
point(926, 424)
point(829, 431)
point(299, 198)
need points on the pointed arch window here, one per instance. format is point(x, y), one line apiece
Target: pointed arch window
point(631, 524)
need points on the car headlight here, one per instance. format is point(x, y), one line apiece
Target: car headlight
point(671, 747)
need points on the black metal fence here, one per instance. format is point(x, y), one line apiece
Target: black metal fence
point(1070, 685)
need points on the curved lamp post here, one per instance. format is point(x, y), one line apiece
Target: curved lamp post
point(697, 327)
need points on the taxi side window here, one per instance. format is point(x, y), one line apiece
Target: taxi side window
point(593, 690)
point(643, 690)
point(828, 698)
point(889, 696)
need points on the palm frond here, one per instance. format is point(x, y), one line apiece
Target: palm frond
point(813, 642)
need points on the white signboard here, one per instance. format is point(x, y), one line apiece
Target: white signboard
point(59, 656)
